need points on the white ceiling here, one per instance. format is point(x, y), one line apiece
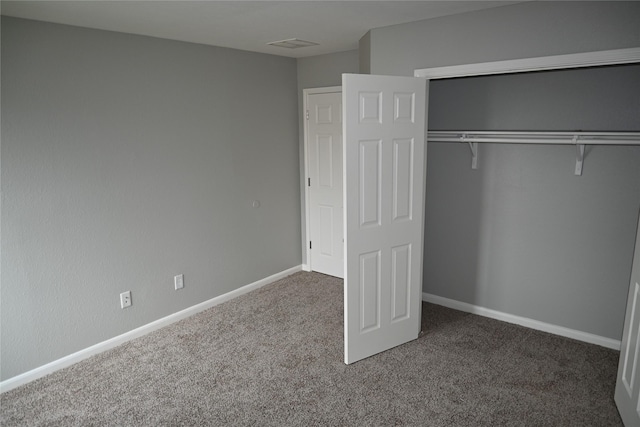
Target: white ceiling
point(247, 25)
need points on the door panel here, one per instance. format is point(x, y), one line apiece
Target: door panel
point(370, 183)
point(384, 177)
point(627, 393)
point(324, 141)
point(401, 282)
point(402, 182)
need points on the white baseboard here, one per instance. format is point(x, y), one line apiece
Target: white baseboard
point(76, 357)
point(305, 267)
point(523, 321)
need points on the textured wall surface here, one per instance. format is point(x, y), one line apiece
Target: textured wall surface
point(523, 30)
point(127, 160)
point(522, 234)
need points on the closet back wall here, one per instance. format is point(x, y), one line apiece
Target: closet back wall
point(587, 99)
point(522, 234)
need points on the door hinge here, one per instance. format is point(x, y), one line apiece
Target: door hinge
point(307, 115)
point(309, 182)
point(309, 244)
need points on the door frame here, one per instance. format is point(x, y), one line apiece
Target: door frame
point(307, 218)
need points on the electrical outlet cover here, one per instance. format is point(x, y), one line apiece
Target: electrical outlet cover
point(125, 299)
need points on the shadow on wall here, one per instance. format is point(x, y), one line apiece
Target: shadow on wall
point(454, 196)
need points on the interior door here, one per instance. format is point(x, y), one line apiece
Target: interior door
point(324, 143)
point(627, 393)
point(384, 176)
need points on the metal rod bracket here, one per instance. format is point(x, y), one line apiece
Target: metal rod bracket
point(579, 156)
point(474, 151)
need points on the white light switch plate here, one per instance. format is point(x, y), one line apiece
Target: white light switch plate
point(178, 281)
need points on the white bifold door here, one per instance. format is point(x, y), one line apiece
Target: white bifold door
point(384, 180)
point(627, 395)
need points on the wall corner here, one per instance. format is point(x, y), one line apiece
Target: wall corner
point(364, 54)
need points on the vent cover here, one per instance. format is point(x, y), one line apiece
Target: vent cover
point(292, 43)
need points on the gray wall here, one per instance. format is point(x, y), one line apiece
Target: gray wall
point(522, 234)
point(127, 160)
point(364, 49)
point(319, 71)
point(522, 30)
point(325, 70)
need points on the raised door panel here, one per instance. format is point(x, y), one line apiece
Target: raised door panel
point(400, 282)
point(369, 288)
point(402, 179)
point(325, 160)
point(370, 188)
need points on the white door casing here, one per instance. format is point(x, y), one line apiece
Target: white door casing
point(627, 394)
point(324, 181)
point(385, 163)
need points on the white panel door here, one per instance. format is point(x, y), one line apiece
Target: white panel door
point(384, 151)
point(627, 393)
point(324, 144)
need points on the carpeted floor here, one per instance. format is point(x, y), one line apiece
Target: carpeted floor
point(274, 357)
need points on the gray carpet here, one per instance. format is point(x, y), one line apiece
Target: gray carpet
point(274, 357)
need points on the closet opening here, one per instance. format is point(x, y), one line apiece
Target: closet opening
point(523, 236)
point(530, 242)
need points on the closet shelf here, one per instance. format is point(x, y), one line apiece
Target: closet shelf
point(587, 138)
point(579, 139)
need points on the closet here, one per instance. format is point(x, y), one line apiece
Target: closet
point(533, 193)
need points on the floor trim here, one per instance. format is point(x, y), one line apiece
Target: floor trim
point(76, 357)
point(523, 321)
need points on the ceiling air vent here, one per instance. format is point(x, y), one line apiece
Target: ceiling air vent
point(292, 43)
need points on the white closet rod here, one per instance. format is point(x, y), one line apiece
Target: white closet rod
point(575, 138)
point(579, 139)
